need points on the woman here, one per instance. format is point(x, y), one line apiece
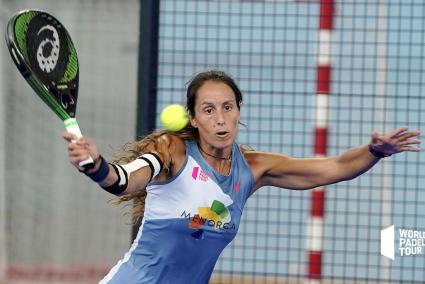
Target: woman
point(196, 183)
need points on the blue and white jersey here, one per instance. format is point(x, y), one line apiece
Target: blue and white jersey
point(188, 221)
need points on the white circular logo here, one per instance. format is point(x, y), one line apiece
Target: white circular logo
point(48, 50)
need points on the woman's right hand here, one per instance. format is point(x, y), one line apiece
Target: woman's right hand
point(80, 150)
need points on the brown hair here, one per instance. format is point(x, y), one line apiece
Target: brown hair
point(132, 150)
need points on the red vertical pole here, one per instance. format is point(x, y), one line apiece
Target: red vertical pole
point(315, 229)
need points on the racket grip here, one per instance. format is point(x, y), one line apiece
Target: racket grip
point(71, 125)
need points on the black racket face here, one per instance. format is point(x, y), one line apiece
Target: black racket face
point(47, 56)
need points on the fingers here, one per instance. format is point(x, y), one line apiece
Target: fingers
point(406, 145)
point(78, 149)
point(80, 143)
point(408, 135)
point(69, 137)
point(409, 142)
point(397, 141)
point(397, 132)
point(410, 149)
point(72, 138)
point(78, 152)
point(375, 137)
point(406, 140)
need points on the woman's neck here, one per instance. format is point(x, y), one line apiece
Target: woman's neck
point(219, 156)
point(218, 159)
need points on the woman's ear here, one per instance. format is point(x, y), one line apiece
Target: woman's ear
point(192, 121)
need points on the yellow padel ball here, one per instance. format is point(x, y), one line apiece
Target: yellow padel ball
point(174, 117)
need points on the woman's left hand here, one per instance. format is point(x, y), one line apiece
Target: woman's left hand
point(397, 141)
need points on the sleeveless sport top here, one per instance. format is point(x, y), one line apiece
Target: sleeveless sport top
point(188, 221)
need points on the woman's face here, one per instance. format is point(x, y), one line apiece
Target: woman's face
point(216, 115)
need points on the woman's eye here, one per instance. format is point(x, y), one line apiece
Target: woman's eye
point(208, 110)
point(228, 107)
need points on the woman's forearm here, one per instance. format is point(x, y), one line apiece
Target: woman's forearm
point(356, 161)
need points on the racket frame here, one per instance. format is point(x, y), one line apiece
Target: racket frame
point(70, 123)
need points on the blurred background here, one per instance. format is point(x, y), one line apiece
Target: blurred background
point(56, 226)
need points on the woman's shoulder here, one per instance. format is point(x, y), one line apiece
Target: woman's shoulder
point(249, 152)
point(171, 143)
point(262, 162)
point(172, 150)
point(261, 159)
point(251, 156)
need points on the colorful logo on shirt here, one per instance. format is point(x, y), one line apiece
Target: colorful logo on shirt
point(198, 173)
point(216, 216)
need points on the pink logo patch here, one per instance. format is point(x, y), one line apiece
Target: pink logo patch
point(237, 186)
point(203, 176)
point(195, 172)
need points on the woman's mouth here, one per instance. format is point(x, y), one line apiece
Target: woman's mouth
point(222, 134)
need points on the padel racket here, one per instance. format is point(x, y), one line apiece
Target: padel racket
point(43, 51)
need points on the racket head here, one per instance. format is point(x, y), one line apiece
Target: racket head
point(45, 55)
